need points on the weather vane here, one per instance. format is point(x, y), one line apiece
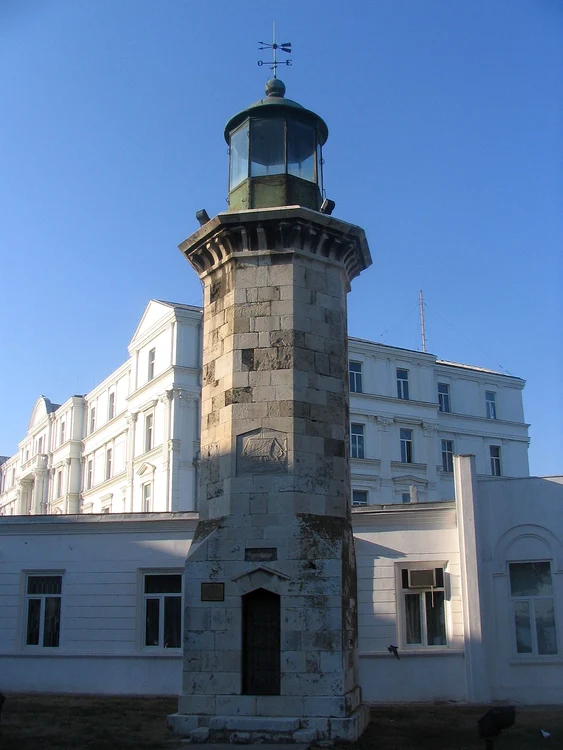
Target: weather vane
point(273, 64)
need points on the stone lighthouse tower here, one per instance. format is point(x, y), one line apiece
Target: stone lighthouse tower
point(270, 624)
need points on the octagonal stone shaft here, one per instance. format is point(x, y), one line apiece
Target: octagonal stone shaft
point(274, 479)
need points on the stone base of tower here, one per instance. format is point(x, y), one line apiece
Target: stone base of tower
point(242, 728)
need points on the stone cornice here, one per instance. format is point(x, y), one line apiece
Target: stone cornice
point(92, 523)
point(288, 229)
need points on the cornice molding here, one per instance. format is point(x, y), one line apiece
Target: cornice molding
point(288, 230)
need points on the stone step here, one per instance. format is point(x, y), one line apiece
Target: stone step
point(262, 746)
point(255, 723)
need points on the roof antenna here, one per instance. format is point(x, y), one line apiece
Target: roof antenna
point(422, 329)
point(273, 64)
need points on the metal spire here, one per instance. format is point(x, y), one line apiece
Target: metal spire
point(273, 64)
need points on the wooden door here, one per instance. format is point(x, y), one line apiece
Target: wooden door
point(261, 643)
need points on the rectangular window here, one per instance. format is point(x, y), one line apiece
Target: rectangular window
point(447, 455)
point(59, 483)
point(357, 441)
point(151, 360)
point(423, 594)
point(43, 610)
point(90, 475)
point(109, 457)
point(355, 375)
point(92, 418)
point(40, 445)
point(406, 497)
point(147, 497)
point(62, 433)
point(403, 384)
point(162, 605)
point(359, 497)
point(494, 451)
point(111, 405)
point(406, 446)
point(443, 397)
point(533, 608)
point(149, 420)
point(490, 404)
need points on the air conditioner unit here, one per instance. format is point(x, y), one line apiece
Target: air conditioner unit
point(422, 579)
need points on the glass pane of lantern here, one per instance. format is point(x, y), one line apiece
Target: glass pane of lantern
point(239, 156)
point(267, 147)
point(301, 151)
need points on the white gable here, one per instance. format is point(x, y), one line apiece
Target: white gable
point(42, 407)
point(154, 313)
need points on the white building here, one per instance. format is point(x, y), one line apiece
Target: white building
point(471, 592)
point(131, 444)
point(99, 511)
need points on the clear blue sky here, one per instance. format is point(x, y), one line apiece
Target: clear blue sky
point(445, 122)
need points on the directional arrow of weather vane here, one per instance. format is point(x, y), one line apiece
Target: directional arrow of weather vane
point(286, 47)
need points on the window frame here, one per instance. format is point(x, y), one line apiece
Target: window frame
point(111, 405)
point(495, 461)
point(531, 600)
point(355, 377)
point(402, 384)
point(148, 436)
point(151, 359)
point(42, 597)
point(407, 455)
point(447, 456)
point(365, 493)
point(147, 496)
point(422, 591)
point(92, 420)
point(109, 462)
point(62, 429)
point(59, 484)
point(444, 399)
point(357, 441)
point(491, 404)
point(142, 619)
point(89, 478)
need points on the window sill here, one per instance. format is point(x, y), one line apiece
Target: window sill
point(44, 651)
point(535, 661)
point(424, 651)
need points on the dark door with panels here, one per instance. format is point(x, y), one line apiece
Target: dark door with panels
point(261, 643)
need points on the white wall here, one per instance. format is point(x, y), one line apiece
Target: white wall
point(101, 558)
point(519, 520)
point(387, 540)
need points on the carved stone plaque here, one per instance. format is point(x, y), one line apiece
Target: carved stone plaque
point(212, 592)
point(262, 451)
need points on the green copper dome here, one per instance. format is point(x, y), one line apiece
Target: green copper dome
point(276, 103)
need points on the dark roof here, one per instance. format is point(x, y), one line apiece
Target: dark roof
point(193, 308)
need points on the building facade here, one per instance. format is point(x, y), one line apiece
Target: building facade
point(131, 445)
point(469, 590)
point(99, 511)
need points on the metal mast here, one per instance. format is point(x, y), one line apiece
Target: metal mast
point(422, 330)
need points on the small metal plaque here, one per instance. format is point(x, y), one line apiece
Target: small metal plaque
point(260, 554)
point(212, 592)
